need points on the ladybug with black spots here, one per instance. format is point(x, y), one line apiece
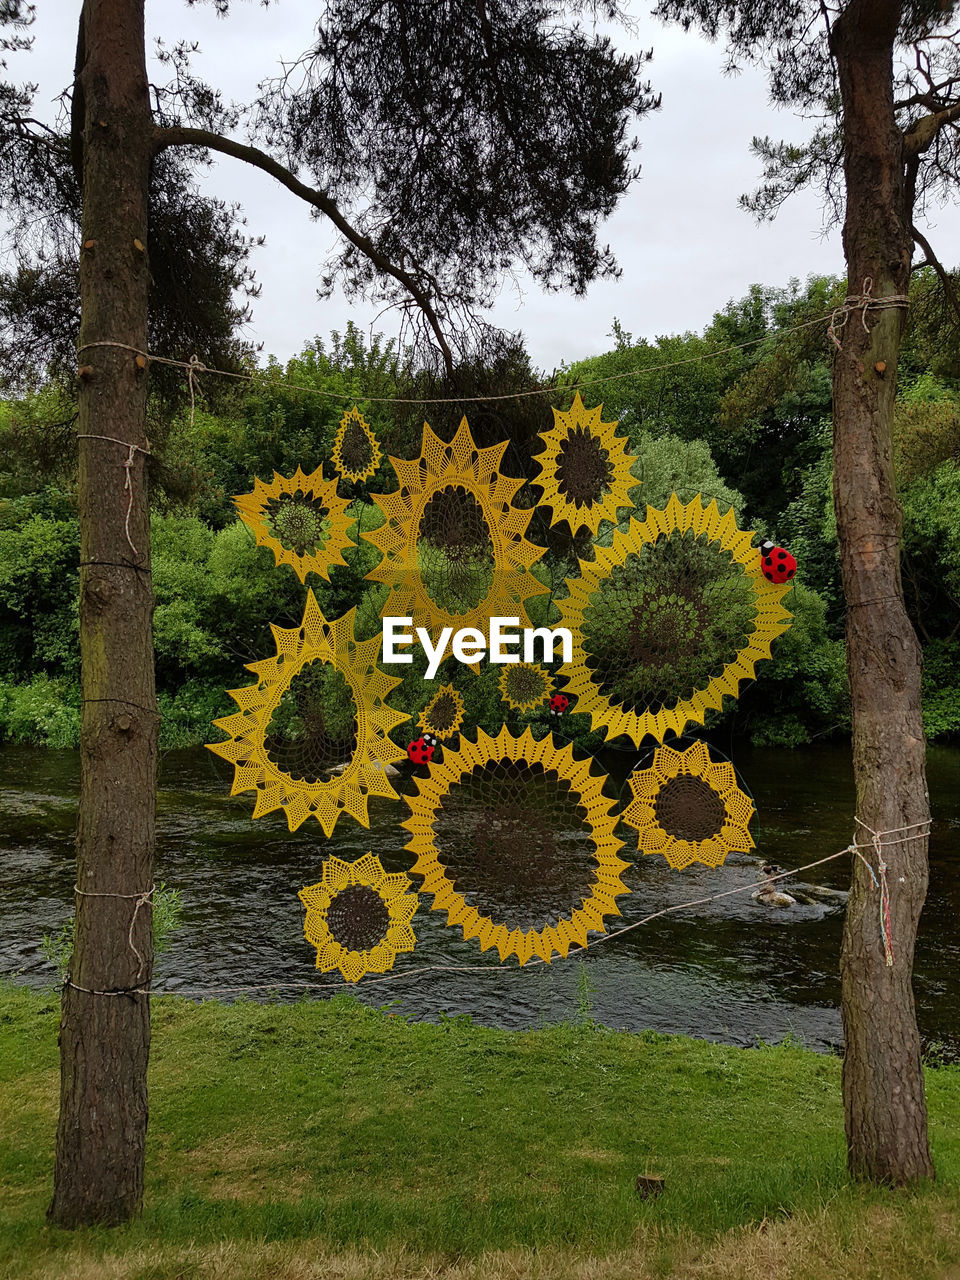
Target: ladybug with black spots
point(776, 563)
point(558, 704)
point(420, 752)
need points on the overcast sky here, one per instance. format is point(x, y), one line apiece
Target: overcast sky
point(684, 245)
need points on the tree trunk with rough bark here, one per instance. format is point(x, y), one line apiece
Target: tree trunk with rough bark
point(883, 1088)
point(105, 1038)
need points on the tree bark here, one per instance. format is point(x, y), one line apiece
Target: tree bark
point(883, 1089)
point(105, 1038)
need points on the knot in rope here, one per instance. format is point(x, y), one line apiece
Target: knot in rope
point(862, 302)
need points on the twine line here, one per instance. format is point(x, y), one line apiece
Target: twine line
point(876, 843)
point(134, 449)
point(194, 366)
point(863, 302)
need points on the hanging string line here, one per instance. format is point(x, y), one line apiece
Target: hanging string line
point(141, 900)
point(194, 366)
point(134, 449)
point(536, 961)
point(862, 302)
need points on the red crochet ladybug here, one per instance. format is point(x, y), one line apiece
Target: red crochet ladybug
point(419, 752)
point(778, 565)
point(559, 703)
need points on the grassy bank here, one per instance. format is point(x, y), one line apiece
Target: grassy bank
point(326, 1139)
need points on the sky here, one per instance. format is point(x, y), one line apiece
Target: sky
point(685, 246)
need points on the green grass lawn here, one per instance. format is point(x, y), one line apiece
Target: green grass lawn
point(330, 1140)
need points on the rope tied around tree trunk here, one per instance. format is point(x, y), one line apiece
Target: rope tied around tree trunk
point(863, 302)
point(141, 900)
point(133, 450)
point(877, 843)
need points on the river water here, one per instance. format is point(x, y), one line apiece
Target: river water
point(730, 970)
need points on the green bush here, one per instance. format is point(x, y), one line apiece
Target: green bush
point(42, 712)
point(802, 692)
point(941, 689)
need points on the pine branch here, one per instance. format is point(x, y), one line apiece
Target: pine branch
point(178, 136)
point(942, 273)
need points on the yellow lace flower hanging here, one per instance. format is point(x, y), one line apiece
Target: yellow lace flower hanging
point(454, 548)
point(689, 808)
point(525, 685)
point(515, 840)
point(311, 735)
point(301, 519)
point(668, 620)
point(443, 714)
point(584, 468)
point(356, 452)
point(358, 917)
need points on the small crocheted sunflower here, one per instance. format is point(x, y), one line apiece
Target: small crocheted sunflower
point(301, 519)
point(443, 714)
point(356, 453)
point(358, 917)
point(584, 468)
point(525, 685)
point(689, 808)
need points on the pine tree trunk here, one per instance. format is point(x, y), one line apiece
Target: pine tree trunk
point(883, 1089)
point(104, 1039)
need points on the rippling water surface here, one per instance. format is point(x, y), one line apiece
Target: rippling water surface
point(729, 970)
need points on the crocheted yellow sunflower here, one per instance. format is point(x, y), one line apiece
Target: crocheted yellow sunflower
point(584, 468)
point(454, 548)
point(514, 839)
point(358, 917)
point(668, 620)
point(525, 685)
point(443, 714)
point(689, 808)
point(301, 519)
point(311, 736)
point(356, 452)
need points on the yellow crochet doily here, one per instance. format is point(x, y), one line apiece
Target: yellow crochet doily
point(495, 830)
point(768, 618)
point(454, 549)
point(689, 808)
point(443, 714)
point(301, 519)
point(584, 469)
point(525, 685)
point(356, 451)
point(325, 782)
point(358, 917)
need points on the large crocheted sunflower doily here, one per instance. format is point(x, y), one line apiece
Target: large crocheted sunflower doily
point(668, 620)
point(454, 548)
point(311, 735)
point(515, 840)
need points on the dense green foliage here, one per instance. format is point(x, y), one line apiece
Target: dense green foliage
point(325, 1124)
point(749, 427)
